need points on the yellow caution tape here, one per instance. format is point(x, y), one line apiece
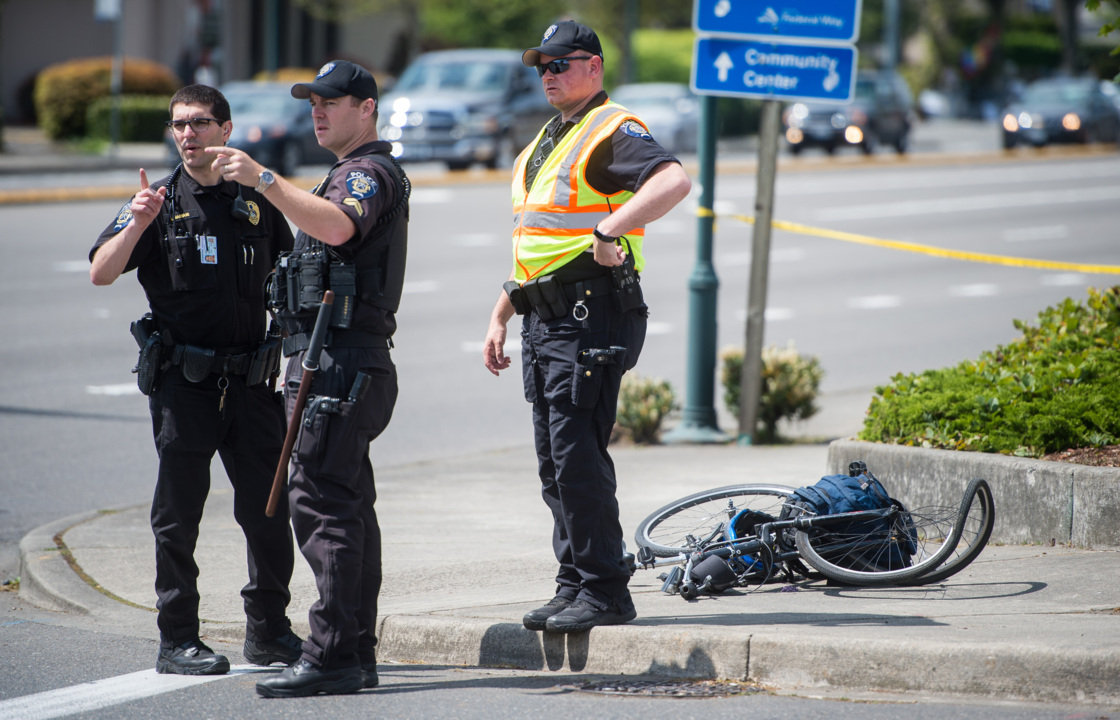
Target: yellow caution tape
point(924, 249)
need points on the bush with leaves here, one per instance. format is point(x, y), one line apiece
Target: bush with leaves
point(64, 92)
point(1055, 388)
point(643, 404)
point(141, 118)
point(790, 385)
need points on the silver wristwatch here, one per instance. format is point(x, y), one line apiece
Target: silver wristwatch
point(266, 179)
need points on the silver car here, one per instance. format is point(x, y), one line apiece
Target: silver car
point(462, 107)
point(669, 110)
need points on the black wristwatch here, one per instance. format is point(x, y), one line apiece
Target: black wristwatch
point(604, 238)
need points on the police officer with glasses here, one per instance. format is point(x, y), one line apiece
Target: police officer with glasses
point(583, 193)
point(202, 247)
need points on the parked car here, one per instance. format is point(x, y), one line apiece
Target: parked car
point(1057, 110)
point(272, 126)
point(669, 110)
point(880, 113)
point(464, 106)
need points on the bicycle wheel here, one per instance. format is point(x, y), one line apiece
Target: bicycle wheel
point(975, 532)
point(892, 551)
point(683, 524)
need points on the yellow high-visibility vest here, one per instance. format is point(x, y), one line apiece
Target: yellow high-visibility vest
point(555, 219)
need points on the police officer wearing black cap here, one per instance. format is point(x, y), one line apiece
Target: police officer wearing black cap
point(202, 247)
point(583, 192)
point(352, 239)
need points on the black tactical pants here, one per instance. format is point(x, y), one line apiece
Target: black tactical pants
point(574, 410)
point(331, 493)
point(248, 435)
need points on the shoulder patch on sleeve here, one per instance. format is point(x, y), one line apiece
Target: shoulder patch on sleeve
point(360, 185)
point(123, 216)
point(634, 129)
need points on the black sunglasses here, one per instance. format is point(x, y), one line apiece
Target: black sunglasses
point(561, 66)
point(197, 124)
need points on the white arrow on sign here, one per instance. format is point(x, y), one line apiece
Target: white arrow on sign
point(723, 64)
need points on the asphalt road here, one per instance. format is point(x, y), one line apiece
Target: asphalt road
point(77, 434)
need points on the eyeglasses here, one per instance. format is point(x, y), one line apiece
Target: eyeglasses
point(561, 66)
point(197, 124)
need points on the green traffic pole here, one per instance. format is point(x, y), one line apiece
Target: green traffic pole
point(698, 417)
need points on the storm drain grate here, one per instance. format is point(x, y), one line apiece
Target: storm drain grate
point(672, 688)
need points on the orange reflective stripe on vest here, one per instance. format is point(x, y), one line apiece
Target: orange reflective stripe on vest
point(555, 218)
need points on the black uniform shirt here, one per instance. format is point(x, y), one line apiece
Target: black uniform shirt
point(204, 271)
point(364, 190)
point(623, 161)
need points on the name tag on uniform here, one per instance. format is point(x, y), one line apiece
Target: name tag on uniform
point(208, 249)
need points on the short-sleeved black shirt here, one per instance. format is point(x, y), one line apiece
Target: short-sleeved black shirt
point(364, 190)
point(623, 161)
point(203, 270)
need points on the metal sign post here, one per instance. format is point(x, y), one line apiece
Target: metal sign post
point(772, 50)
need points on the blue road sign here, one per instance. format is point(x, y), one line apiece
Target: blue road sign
point(758, 69)
point(823, 20)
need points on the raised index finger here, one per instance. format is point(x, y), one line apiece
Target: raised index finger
point(143, 180)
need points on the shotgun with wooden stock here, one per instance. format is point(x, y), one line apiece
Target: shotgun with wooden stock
point(310, 366)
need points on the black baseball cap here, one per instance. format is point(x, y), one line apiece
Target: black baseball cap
point(561, 39)
point(338, 78)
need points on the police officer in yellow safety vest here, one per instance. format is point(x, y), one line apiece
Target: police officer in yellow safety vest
point(583, 192)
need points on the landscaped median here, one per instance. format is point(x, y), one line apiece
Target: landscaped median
point(1036, 501)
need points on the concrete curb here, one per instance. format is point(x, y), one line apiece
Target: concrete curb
point(46, 578)
point(1004, 670)
point(1037, 501)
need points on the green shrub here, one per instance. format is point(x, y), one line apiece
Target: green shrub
point(790, 384)
point(643, 404)
point(1052, 389)
point(142, 118)
point(64, 92)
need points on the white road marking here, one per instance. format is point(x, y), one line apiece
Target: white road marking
point(770, 315)
point(874, 302)
point(1030, 234)
point(658, 328)
point(121, 389)
point(99, 694)
point(430, 196)
point(420, 286)
point(1064, 279)
point(935, 206)
point(475, 239)
point(977, 290)
point(71, 266)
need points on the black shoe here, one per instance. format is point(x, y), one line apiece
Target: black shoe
point(369, 675)
point(191, 658)
point(535, 619)
point(303, 679)
point(582, 615)
point(285, 649)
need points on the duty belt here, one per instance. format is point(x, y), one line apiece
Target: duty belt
point(338, 339)
point(212, 362)
point(583, 289)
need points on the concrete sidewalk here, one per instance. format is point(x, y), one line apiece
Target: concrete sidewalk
point(467, 553)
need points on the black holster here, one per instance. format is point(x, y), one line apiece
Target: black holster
point(151, 362)
point(265, 363)
point(627, 292)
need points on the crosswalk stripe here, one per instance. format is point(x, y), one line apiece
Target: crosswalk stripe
point(106, 693)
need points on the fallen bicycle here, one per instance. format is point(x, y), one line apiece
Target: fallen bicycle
point(747, 535)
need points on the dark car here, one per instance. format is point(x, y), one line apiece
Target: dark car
point(669, 110)
point(272, 126)
point(880, 113)
point(463, 107)
point(1059, 110)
